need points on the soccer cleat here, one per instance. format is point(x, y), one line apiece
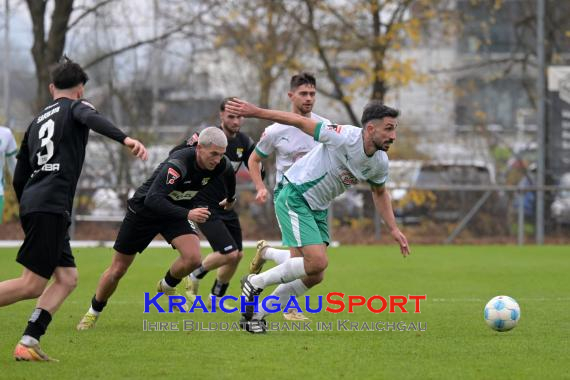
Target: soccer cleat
point(257, 262)
point(293, 315)
point(31, 354)
point(255, 326)
point(87, 322)
point(249, 292)
point(171, 292)
point(191, 287)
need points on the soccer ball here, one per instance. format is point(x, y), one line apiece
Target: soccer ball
point(502, 313)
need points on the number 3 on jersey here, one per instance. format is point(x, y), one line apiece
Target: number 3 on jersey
point(45, 135)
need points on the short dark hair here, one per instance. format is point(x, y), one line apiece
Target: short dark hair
point(225, 101)
point(377, 110)
point(67, 74)
point(301, 79)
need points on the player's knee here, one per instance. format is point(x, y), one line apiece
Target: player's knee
point(68, 281)
point(191, 262)
point(316, 265)
point(234, 257)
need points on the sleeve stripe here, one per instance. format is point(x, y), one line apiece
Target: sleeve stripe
point(11, 153)
point(318, 131)
point(260, 153)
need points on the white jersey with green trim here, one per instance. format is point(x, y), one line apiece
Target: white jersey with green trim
point(336, 165)
point(8, 150)
point(289, 144)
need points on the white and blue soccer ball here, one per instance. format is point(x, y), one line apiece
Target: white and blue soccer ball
point(502, 313)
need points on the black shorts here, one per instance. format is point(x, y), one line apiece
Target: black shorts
point(223, 233)
point(46, 245)
point(137, 232)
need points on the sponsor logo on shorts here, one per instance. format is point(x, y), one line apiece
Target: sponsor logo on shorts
point(229, 247)
point(172, 176)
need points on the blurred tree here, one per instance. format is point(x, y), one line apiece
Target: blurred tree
point(357, 43)
point(47, 50)
point(263, 34)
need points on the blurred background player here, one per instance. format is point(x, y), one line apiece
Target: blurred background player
point(222, 229)
point(8, 150)
point(163, 205)
point(49, 164)
point(289, 144)
point(346, 156)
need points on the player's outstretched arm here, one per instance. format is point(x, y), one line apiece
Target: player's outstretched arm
point(88, 115)
point(245, 109)
point(254, 165)
point(383, 204)
point(137, 148)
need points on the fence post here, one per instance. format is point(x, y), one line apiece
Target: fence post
point(520, 219)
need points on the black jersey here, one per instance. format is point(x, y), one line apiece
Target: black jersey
point(176, 182)
point(238, 151)
point(52, 153)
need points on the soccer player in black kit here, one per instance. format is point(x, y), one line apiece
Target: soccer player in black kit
point(49, 164)
point(164, 205)
point(222, 229)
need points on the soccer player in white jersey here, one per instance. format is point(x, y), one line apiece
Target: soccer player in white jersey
point(289, 144)
point(347, 155)
point(8, 152)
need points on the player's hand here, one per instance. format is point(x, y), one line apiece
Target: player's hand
point(241, 108)
point(401, 240)
point(137, 148)
point(199, 215)
point(261, 196)
point(227, 205)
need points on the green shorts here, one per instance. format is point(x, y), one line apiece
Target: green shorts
point(300, 226)
point(276, 192)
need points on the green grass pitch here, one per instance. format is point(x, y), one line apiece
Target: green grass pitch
point(458, 281)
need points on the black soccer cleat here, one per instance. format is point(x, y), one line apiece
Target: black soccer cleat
point(249, 292)
point(255, 326)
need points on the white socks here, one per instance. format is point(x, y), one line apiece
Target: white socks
point(277, 255)
point(29, 341)
point(284, 292)
point(292, 269)
point(93, 311)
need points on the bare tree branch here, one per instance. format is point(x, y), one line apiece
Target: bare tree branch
point(87, 12)
point(133, 45)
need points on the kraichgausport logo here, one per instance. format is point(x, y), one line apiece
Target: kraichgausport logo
point(334, 302)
